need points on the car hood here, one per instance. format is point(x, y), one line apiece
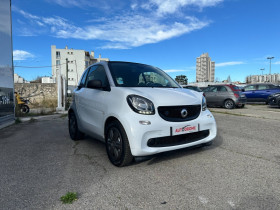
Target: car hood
point(167, 96)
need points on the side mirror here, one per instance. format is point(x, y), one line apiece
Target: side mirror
point(242, 90)
point(94, 84)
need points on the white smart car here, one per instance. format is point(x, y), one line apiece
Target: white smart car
point(138, 110)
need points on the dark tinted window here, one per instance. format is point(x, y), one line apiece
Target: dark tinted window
point(212, 89)
point(98, 73)
point(139, 75)
point(272, 86)
point(83, 79)
point(235, 88)
point(222, 89)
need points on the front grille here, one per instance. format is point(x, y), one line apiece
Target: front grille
point(173, 113)
point(168, 141)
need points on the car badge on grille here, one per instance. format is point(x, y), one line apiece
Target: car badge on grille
point(184, 113)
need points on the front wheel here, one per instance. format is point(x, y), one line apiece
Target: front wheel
point(74, 131)
point(229, 104)
point(117, 145)
point(24, 109)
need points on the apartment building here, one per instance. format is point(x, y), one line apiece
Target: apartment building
point(78, 61)
point(205, 69)
point(272, 78)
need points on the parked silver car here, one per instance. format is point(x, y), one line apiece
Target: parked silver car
point(228, 96)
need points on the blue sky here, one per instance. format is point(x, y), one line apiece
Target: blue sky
point(239, 35)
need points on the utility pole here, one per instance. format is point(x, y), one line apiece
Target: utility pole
point(270, 58)
point(66, 76)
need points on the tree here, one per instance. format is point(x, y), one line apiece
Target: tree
point(38, 79)
point(229, 79)
point(182, 79)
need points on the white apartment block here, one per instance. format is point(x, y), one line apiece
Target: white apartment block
point(205, 69)
point(272, 78)
point(48, 80)
point(78, 61)
point(19, 79)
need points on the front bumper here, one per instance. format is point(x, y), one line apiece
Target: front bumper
point(140, 135)
point(241, 101)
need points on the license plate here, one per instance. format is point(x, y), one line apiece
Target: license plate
point(189, 128)
point(242, 95)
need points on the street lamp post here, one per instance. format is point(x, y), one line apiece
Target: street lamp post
point(270, 58)
point(262, 70)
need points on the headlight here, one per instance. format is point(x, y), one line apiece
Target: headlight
point(141, 105)
point(204, 105)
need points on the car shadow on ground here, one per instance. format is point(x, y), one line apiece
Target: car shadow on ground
point(93, 145)
point(154, 159)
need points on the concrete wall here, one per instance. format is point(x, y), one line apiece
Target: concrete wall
point(39, 94)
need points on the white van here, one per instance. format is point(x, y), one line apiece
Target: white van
point(138, 110)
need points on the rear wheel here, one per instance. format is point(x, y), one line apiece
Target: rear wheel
point(24, 109)
point(117, 145)
point(74, 131)
point(229, 104)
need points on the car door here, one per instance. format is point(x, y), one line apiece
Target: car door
point(92, 106)
point(263, 92)
point(250, 92)
point(210, 95)
point(221, 95)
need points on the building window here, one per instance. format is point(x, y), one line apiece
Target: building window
point(57, 62)
point(71, 53)
point(57, 55)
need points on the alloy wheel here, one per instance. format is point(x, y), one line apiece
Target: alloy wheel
point(114, 144)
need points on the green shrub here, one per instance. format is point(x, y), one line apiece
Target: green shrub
point(69, 198)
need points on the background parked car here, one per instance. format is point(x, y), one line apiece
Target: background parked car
point(274, 99)
point(228, 96)
point(192, 87)
point(259, 92)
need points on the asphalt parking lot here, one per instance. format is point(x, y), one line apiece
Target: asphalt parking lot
point(241, 170)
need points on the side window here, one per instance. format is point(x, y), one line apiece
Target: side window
point(222, 89)
point(263, 87)
point(212, 89)
point(250, 87)
point(83, 79)
point(98, 73)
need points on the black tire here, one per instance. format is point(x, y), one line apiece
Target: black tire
point(74, 131)
point(117, 145)
point(24, 109)
point(229, 104)
point(241, 106)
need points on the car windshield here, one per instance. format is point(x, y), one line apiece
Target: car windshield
point(139, 75)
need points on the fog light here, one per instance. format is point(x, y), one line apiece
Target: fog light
point(145, 122)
